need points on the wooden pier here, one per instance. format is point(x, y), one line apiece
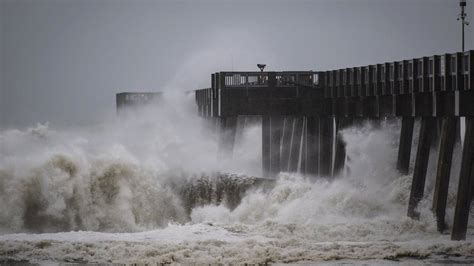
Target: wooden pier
point(303, 112)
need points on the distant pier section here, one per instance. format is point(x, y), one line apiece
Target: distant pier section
point(128, 100)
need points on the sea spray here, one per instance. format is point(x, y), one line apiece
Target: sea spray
point(110, 177)
point(106, 195)
point(122, 177)
point(298, 220)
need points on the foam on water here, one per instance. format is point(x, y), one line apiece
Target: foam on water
point(112, 182)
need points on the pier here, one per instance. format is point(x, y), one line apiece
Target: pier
point(127, 100)
point(303, 112)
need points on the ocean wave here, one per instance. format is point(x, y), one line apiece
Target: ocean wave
point(139, 192)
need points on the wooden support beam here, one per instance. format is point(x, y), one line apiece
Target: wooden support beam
point(326, 147)
point(276, 129)
point(446, 147)
point(296, 144)
point(265, 146)
point(421, 165)
point(466, 184)
point(312, 147)
point(404, 146)
point(286, 143)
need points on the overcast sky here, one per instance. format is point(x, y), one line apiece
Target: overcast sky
point(63, 61)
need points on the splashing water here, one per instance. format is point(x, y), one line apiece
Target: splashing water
point(117, 182)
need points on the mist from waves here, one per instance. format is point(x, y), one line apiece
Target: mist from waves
point(106, 191)
point(114, 177)
point(368, 201)
point(111, 177)
point(360, 215)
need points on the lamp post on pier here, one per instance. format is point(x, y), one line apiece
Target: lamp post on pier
point(462, 17)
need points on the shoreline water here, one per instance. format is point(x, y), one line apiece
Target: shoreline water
point(205, 243)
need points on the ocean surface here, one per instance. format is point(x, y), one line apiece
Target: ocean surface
point(109, 193)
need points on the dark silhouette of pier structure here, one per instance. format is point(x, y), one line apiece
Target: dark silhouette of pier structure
point(131, 100)
point(303, 112)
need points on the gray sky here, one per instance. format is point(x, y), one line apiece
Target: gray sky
point(63, 61)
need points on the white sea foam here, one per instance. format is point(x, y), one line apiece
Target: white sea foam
point(111, 182)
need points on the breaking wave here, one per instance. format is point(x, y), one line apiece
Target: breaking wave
point(114, 177)
point(141, 189)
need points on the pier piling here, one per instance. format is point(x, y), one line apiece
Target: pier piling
point(326, 147)
point(266, 146)
point(228, 128)
point(296, 144)
point(404, 146)
point(466, 184)
point(421, 165)
point(340, 148)
point(276, 129)
point(445, 155)
point(286, 143)
point(312, 148)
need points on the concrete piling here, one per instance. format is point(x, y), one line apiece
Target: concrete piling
point(286, 143)
point(296, 144)
point(466, 184)
point(326, 147)
point(276, 130)
point(421, 165)
point(404, 146)
point(312, 151)
point(445, 155)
